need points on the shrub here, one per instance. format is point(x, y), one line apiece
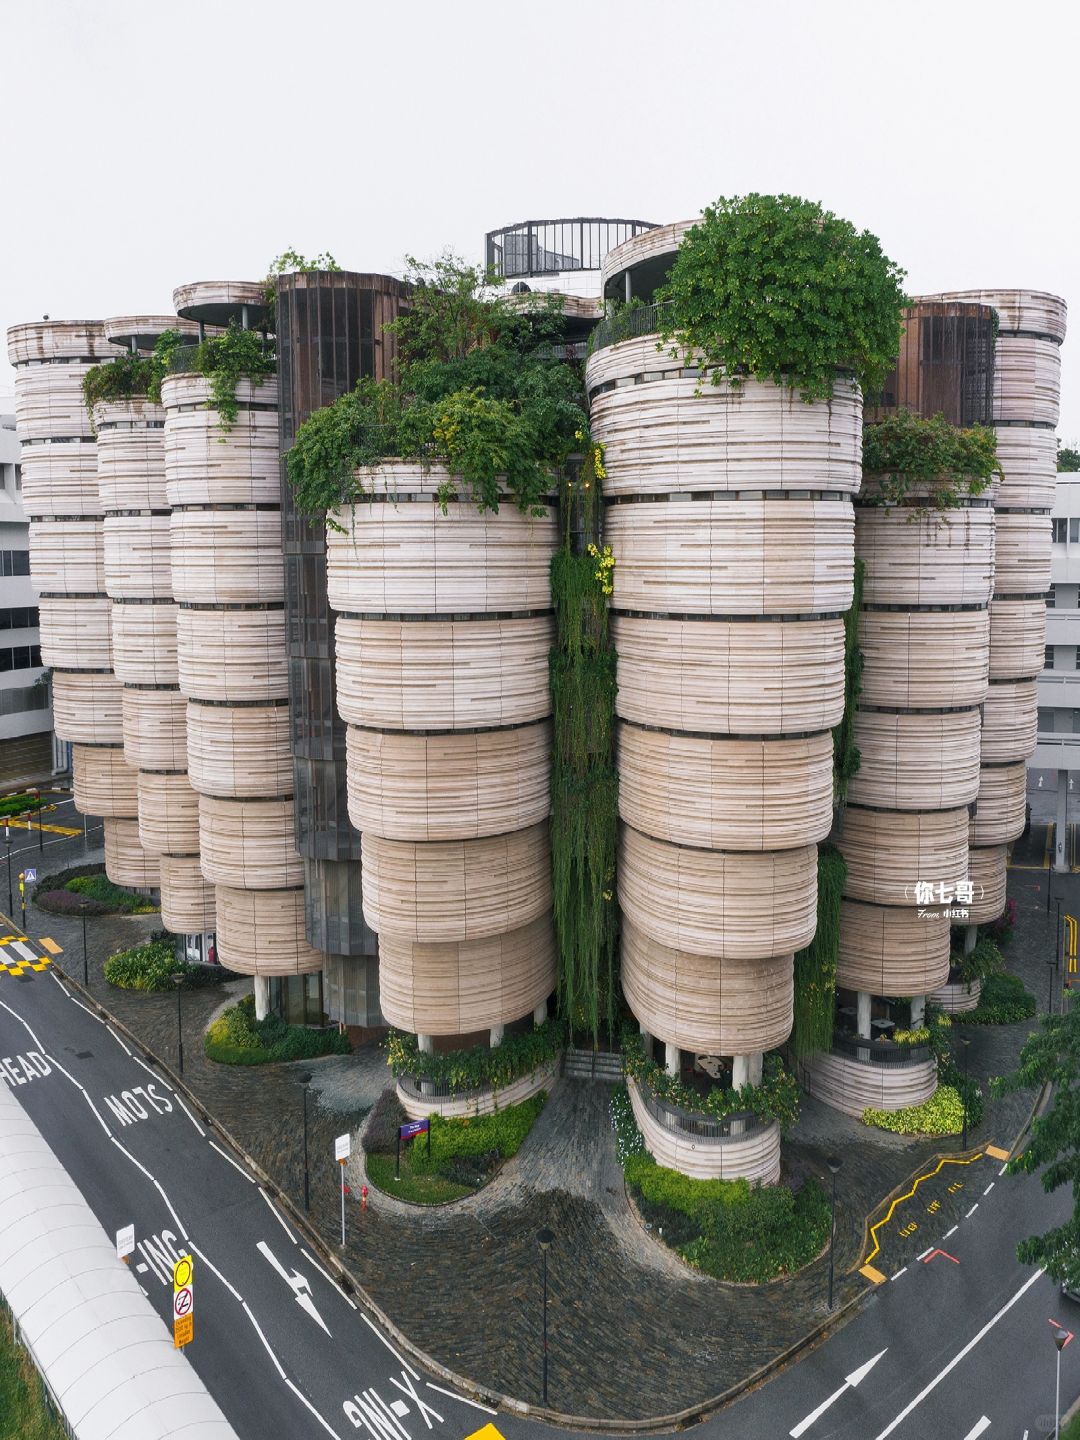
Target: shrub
point(117, 899)
point(981, 963)
point(1003, 1002)
point(63, 902)
point(59, 878)
point(1001, 929)
point(776, 1098)
point(942, 1114)
point(628, 1138)
point(386, 1116)
point(905, 448)
point(237, 1038)
point(144, 967)
point(476, 1136)
point(20, 804)
point(481, 1066)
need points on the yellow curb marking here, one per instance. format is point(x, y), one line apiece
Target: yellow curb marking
point(871, 1274)
point(996, 1153)
point(901, 1198)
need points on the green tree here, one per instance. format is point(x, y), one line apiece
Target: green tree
point(1051, 1055)
point(1068, 457)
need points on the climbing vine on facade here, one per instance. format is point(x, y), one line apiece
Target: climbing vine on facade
point(815, 967)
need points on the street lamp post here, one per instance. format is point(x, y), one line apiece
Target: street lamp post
point(544, 1238)
point(833, 1163)
point(85, 966)
point(964, 1097)
point(303, 1080)
point(1060, 1341)
point(178, 981)
point(10, 897)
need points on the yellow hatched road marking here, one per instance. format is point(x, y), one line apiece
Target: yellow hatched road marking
point(901, 1198)
point(47, 943)
point(871, 1274)
point(996, 1153)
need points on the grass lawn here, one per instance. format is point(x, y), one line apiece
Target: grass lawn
point(23, 1415)
point(431, 1189)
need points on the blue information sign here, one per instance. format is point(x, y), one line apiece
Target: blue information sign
point(414, 1127)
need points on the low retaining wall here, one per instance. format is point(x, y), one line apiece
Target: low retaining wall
point(757, 1157)
point(852, 1087)
point(955, 999)
point(482, 1102)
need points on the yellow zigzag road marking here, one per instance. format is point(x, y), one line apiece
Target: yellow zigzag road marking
point(901, 1198)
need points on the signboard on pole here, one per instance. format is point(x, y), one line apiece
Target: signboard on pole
point(342, 1148)
point(183, 1302)
point(31, 875)
point(414, 1127)
point(125, 1241)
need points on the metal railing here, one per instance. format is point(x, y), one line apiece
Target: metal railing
point(880, 1052)
point(629, 324)
point(550, 247)
point(700, 1126)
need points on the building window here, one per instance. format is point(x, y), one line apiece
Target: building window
point(1059, 532)
point(24, 697)
point(19, 617)
point(1074, 532)
point(1046, 718)
point(1050, 598)
point(1048, 658)
point(15, 562)
point(19, 657)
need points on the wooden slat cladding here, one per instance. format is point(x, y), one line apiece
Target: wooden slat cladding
point(187, 900)
point(410, 558)
point(647, 245)
point(1010, 721)
point(67, 557)
point(75, 632)
point(458, 988)
point(755, 1158)
point(730, 676)
point(1000, 809)
point(232, 655)
point(58, 340)
point(454, 890)
point(103, 783)
point(261, 932)
point(987, 870)
point(955, 999)
point(942, 560)
point(1022, 553)
point(86, 707)
point(732, 557)
point(137, 557)
point(924, 659)
point(1027, 379)
point(60, 479)
point(707, 1003)
point(916, 762)
point(892, 950)
point(670, 433)
point(144, 643)
point(718, 903)
point(155, 729)
point(888, 851)
point(448, 787)
point(239, 750)
point(227, 557)
point(1028, 459)
point(481, 1102)
point(852, 1086)
point(49, 402)
point(168, 814)
point(126, 862)
point(131, 455)
point(1017, 638)
point(249, 844)
point(206, 465)
point(401, 675)
point(723, 793)
point(1037, 311)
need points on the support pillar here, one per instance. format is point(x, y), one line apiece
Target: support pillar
point(495, 1035)
point(424, 1044)
point(971, 934)
point(1061, 837)
point(740, 1071)
point(540, 1013)
point(862, 1014)
point(757, 1064)
point(262, 997)
point(672, 1059)
point(918, 1009)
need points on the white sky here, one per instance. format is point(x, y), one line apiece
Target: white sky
point(152, 142)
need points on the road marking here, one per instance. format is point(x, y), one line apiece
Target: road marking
point(299, 1284)
point(48, 943)
point(944, 1254)
point(160, 1079)
point(141, 1269)
point(927, 1251)
point(377, 1332)
point(156, 1184)
point(871, 1274)
point(210, 1264)
point(189, 1115)
point(947, 1234)
point(912, 1404)
point(298, 1393)
point(307, 1253)
point(899, 1273)
point(118, 1040)
point(1002, 1171)
point(989, 1188)
point(972, 1211)
point(474, 1403)
point(225, 1156)
point(72, 997)
point(901, 1198)
point(996, 1153)
point(850, 1382)
point(977, 1429)
point(279, 1218)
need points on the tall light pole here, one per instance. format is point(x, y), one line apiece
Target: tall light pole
point(964, 1097)
point(303, 1080)
point(544, 1238)
point(178, 981)
point(1061, 1339)
point(10, 897)
point(85, 966)
point(834, 1162)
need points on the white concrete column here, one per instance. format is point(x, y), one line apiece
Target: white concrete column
point(862, 1014)
point(424, 1044)
point(918, 1011)
point(757, 1064)
point(646, 1040)
point(672, 1059)
point(262, 997)
point(740, 1071)
point(495, 1035)
point(971, 935)
point(1061, 828)
point(540, 1013)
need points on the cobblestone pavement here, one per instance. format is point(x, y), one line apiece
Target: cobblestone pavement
point(633, 1333)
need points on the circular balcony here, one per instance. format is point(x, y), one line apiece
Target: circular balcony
point(1017, 637)
point(144, 643)
point(103, 783)
point(1010, 721)
point(130, 454)
point(60, 479)
point(740, 1146)
point(924, 659)
point(239, 751)
point(892, 950)
point(261, 932)
point(1000, 807)
point(916, 761)
point(126, 862)
point(187, 900)
point(67, 557)
point(155, 729)
point(931, 560)
point(168, 814)
point(87, 707)
point(75, 631)
point(249, 844)
point(889, 851)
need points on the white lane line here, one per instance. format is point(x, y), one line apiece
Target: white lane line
point(298, 1393)
point(899, 1273)
point(118, 1040)
point(977, 1429)
point(53, 1061)
point(376, 1331)
point(474, 1403)
point(24, 952)
point(159, 1078)
point(277, 1215)
point(911, 1405)
point(157, 1186)
point(947, 1234)
point(211, 1266)
point(989, 1188)
point(225, 1156)
point(74, 999)
point(972, 1211)
point(1003, 1169)
point(308, 1255)
point(928, 1249)
point(190, 1116)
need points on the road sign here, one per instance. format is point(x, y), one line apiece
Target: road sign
point(125, 1241)
point(342, 1148)
point(183, 1302)
point(414, 1127)
point(31, 875)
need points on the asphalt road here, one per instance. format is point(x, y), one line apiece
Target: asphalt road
point(960, 1341)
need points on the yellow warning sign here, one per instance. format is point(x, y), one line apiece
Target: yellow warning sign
point(486, 1432)
point(183, 1332)
point(182, 1273)
point(183, 1279)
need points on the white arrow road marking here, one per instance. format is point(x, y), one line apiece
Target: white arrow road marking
point(299, 1284)
point(978, 1428)
point(850, 1383)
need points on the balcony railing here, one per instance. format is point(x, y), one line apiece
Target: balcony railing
point(628, 324)
point(550, 247)
point(879, 1052)
point(699, 1126)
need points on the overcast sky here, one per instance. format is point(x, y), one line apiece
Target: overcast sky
point(148, 144)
